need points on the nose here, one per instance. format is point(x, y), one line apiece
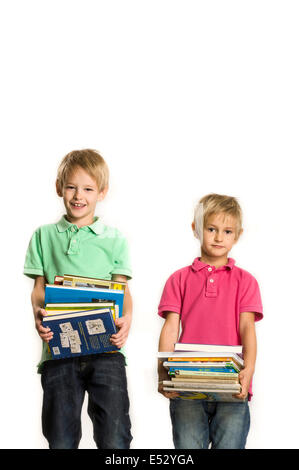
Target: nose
point(78, 194)
point(218, 236)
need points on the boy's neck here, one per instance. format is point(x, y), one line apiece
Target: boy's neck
point(215, 261)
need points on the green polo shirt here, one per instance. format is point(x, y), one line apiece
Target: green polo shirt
point(94, 250)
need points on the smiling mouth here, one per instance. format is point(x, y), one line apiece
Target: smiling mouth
point(77, 205)
point(217, 246)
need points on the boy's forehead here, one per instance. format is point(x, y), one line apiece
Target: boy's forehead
point(222, 218)
point(79, 173)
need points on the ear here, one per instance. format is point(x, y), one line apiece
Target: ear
point(58, 189)
point(102, 194)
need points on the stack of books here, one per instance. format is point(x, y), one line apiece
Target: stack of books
point(81, 313)
point(203, 372)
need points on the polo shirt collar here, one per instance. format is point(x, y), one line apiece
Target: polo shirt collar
point(97, 226)
point(197, 265)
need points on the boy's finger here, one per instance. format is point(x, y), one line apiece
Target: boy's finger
point(43, 329)
point(120, 334)
point(170, 394)
point(42, 312)
point(46, 337)
point(118, 344)
point(242, 394)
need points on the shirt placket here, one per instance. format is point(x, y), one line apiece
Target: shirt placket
point(211, 283)
point(74, 243)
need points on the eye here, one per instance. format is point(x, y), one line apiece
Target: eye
point(211, 229)
point(228, 232)
point(89, 189)
point(69, 186)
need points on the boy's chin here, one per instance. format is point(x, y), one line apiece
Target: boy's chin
point(73, 217)
point(74, 212)
point(217, 252)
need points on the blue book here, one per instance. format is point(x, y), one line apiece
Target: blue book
point(172, 370)
point(64, 294)
point(81, 333)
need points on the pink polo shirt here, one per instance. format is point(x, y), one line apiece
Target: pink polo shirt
point(210, 301)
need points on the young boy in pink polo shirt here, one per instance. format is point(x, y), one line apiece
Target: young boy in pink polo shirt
point(213, 302)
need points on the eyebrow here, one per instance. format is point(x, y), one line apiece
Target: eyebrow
point(225, 228)
point(85, 185)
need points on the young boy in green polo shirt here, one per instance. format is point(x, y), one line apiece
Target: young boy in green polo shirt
point(81, 244)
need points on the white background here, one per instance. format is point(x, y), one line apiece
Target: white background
point(182, 98)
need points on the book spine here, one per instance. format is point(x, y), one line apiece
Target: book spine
point(199, 359)
point(203, 374)
point(203, 369)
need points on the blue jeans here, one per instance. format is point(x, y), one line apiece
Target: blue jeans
point(196, 424)
point(65, 381)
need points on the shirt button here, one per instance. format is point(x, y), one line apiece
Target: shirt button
point(211, 280)
point(210, 269)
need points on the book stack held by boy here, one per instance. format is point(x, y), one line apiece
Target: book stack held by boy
point(203, 372)
point(81, 313)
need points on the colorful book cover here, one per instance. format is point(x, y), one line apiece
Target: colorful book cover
point(65, 294)
point(172, 370)
point(191, 356)
point(212, 366)
point(212, 395)
point(58, 309)
point(201, 373)
point(81, 333)
point(79, 281)
point(199, 359)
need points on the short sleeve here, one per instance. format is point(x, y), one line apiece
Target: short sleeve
point(34, 261)
point(250, 299)
point(121, 258)
point(171, 299)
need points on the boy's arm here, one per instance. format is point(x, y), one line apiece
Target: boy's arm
point(37, 299)
point(168, 337)
point(124, 322)
point(248, 338)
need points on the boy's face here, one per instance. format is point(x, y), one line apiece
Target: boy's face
point(219, 235)
point(80, 196)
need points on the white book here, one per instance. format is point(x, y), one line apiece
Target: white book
point(199, 386)
point(211, 348)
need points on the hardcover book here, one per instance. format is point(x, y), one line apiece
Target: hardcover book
point(211, 374)
point(81, 333)
point(80, 281)
point(208, 348)
point(58, 309)
point(65, 294)
point(207, 395)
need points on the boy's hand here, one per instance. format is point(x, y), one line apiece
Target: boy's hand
point(45, 333)
point(123, 324)
point(163, 375)
point(245, 377)
point(166, 394)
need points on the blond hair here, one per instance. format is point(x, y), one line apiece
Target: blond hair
point(90, 160)
point(214, 204)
